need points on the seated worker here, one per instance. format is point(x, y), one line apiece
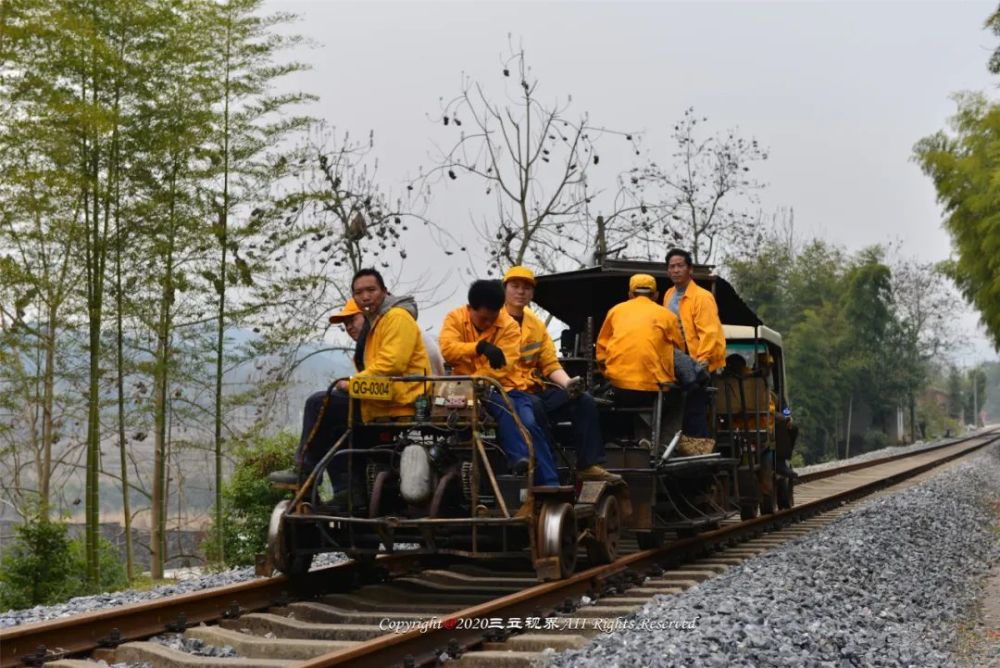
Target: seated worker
point(481, 339)
point(635, 348)
point(701, 329)
point(388, 343)
point(537, 362)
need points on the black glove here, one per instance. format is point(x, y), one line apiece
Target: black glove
point(492, 353)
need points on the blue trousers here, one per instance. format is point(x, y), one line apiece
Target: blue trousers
point(554, 404)
point(512, 441)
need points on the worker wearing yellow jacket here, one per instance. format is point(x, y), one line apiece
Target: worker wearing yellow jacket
point(556, 396)
point(388, 343)
point(701, 329)
point(481, 339)
point(635, 348)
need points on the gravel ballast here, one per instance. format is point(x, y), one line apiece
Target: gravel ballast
point(83, 604)
point(886, 584)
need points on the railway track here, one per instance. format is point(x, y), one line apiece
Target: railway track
point(410, 610)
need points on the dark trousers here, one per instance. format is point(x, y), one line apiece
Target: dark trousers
point(696, 413)
point(332, 426)
point(670, 411)
point(554, 404)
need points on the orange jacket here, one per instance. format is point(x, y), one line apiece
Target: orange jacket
point(394, 347)
point(459, 339)
point(635, 349)
point(702, 329)
point(537, 359)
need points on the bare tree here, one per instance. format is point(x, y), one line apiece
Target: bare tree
point(705, 195)
point(534, 160)
point(925, 301)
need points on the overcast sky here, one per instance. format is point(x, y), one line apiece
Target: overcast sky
point(837, 91)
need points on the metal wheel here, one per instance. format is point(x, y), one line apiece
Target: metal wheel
point(279, 549)
point(557, 535)
point(607, 530)
point(748, 511)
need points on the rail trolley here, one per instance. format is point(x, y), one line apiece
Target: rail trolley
point(438, 482)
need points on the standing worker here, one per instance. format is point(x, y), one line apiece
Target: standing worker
point(635, 348)
point(481, 339)
point(564, 399)
point(701, 331)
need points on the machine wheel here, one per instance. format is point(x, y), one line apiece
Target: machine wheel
point(748, 510)
point(557, 536)
point(786, 493)
point(649, 540)
point(279, 549)
point(607, 531)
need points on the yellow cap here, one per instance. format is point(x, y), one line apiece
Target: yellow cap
point(641, 282)
point(519, 272)
point(349, 311)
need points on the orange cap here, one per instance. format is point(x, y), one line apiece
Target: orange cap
point(519, 272)
point(641, 282)
point(349, 311)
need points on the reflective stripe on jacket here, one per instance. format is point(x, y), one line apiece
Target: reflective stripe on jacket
point(635, 349)
point(537, 359)
point(394, 347)
point(459, 339)
point(702, 327)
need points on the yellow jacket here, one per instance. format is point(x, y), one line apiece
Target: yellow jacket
point(703, 334)
point(635, 349)
point(459, 339)
point(537, 359)
point(394, 347)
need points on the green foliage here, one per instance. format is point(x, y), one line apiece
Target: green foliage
point(856, 331)
point(112, 570)
point(43, 566)
point(874, 440)
point(38, 567)
point(963, 166)
point(248, 498)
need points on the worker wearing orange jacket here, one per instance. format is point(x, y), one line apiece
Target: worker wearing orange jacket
point(480, 338)
point(540, 375)
point(701, 329)
point(635, 348)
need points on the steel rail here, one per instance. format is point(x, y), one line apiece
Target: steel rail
point(76, 635)
point(421, 647)
point(85, 632)
point(847, 468)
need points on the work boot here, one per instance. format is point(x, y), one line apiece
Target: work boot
point(598, 472)
point(524, 510)
point(286, 478)
point(520, 467)
point(784, 469)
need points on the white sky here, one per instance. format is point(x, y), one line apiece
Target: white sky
point(838, 92)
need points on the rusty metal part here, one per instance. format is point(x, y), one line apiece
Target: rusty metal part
point(83, 633)
point(27, 644)
point(418, 647)
point(847, 468)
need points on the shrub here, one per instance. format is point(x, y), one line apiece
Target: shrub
point(38, 569)
point(112, 577)
point(248, 499)
point(874, 440)
point(44, 566)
